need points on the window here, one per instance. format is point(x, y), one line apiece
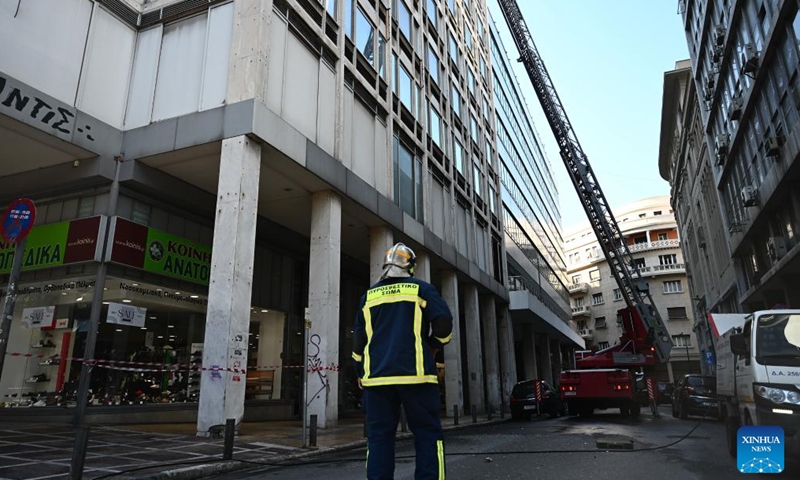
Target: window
point(476, 179)
point(471, 81)
point(594, 275)
point(364, 35)
point(382, 56)
point(404, 81)
point(492, 204)
point(676, 312)
point(576, 279)
point(581, 323)
point(407, 180)
point(684, 341)
point(640, 240)
point(431, 8)
point(603, 345)
point(473, 128)
point(670, 259)
point(404, 19)
point(617, 294)
point(141, 213)
point(657, 213)
point(332, 7)
point(455, 99)
point(619, 320)
point(433, 64)
point(453, 49)
point(452, 4)
point(663, 236)
point(579, 303)
point(435, 125)
point(348, 18)
point(597, 299)
point(458, 153)
point(639, 262)
point(673, 286)
point(467, 38)
point(600, 322)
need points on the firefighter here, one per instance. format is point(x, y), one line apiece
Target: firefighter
point(401, 324)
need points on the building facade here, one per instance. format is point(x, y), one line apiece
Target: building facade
point(651, 234)
point(239, 169)
point(736, 196)
point(534, 241)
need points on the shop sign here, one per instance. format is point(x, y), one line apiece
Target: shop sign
point(130, 315)
point(57, 244)
point(159, 252)
point(38, 317)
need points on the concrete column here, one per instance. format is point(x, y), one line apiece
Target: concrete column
point(452, 351)
point(323, 308)
point(555, 351)
point(492, 354)
point(508, 361)
point(547, 363)
point(423, 270)
point(381, 240)
point(230, 286)
point(670, 373)
point(529, 354)
point(472, 334)
point(250, 44)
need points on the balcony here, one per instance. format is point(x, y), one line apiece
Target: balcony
point(663, 269)
point(586, 334)
point(658, 244)
point(581, 311)
point(578, 288)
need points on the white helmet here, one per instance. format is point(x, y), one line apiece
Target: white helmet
point(401, 257)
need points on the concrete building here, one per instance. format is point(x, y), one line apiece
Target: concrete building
point(651, 234)
point(534, 243)
point(239, 167)
point(733, 165)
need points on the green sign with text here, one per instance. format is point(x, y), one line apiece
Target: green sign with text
point(55, 244)
point(159, 252)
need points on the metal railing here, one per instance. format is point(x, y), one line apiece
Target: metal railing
point(639, 247)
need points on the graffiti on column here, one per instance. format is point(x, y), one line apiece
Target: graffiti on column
point(316, 367)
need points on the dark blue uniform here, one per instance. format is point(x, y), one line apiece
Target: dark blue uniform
point(401, 321)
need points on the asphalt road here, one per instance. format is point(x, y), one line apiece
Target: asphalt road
point(558, 448)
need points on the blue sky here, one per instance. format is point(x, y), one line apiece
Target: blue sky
point(607, 61)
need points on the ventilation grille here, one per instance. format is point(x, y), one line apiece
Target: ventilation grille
point(121, 10)
point(175, 11)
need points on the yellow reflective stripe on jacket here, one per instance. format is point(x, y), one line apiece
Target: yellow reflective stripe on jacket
point(440, 457)
point(357, 357)
point(368, 325)
point(444, 339)
point(399, 380)
point(418, 339)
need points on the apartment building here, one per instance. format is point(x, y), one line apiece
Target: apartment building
point(729, 147)
point(239, 169)
point(650, 231)
point(534, 241)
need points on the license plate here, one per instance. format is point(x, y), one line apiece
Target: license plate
point(570, 393)
point(529, 407)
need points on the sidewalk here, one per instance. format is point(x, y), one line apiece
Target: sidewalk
point(149, 452)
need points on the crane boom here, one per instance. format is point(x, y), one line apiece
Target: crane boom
point(648, 328)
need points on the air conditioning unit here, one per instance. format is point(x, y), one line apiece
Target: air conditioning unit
point(719, 35)
point(776, 248)
point(737, 103)
point(722, 144)
point(749, 196)
point(716, 53)
point(772, 146)
point(749, 59)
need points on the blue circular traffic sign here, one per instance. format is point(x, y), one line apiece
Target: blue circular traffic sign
point(17, 220)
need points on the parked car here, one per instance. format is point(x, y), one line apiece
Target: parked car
point(523, 400)
point(665, 391)
point(695, 395)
